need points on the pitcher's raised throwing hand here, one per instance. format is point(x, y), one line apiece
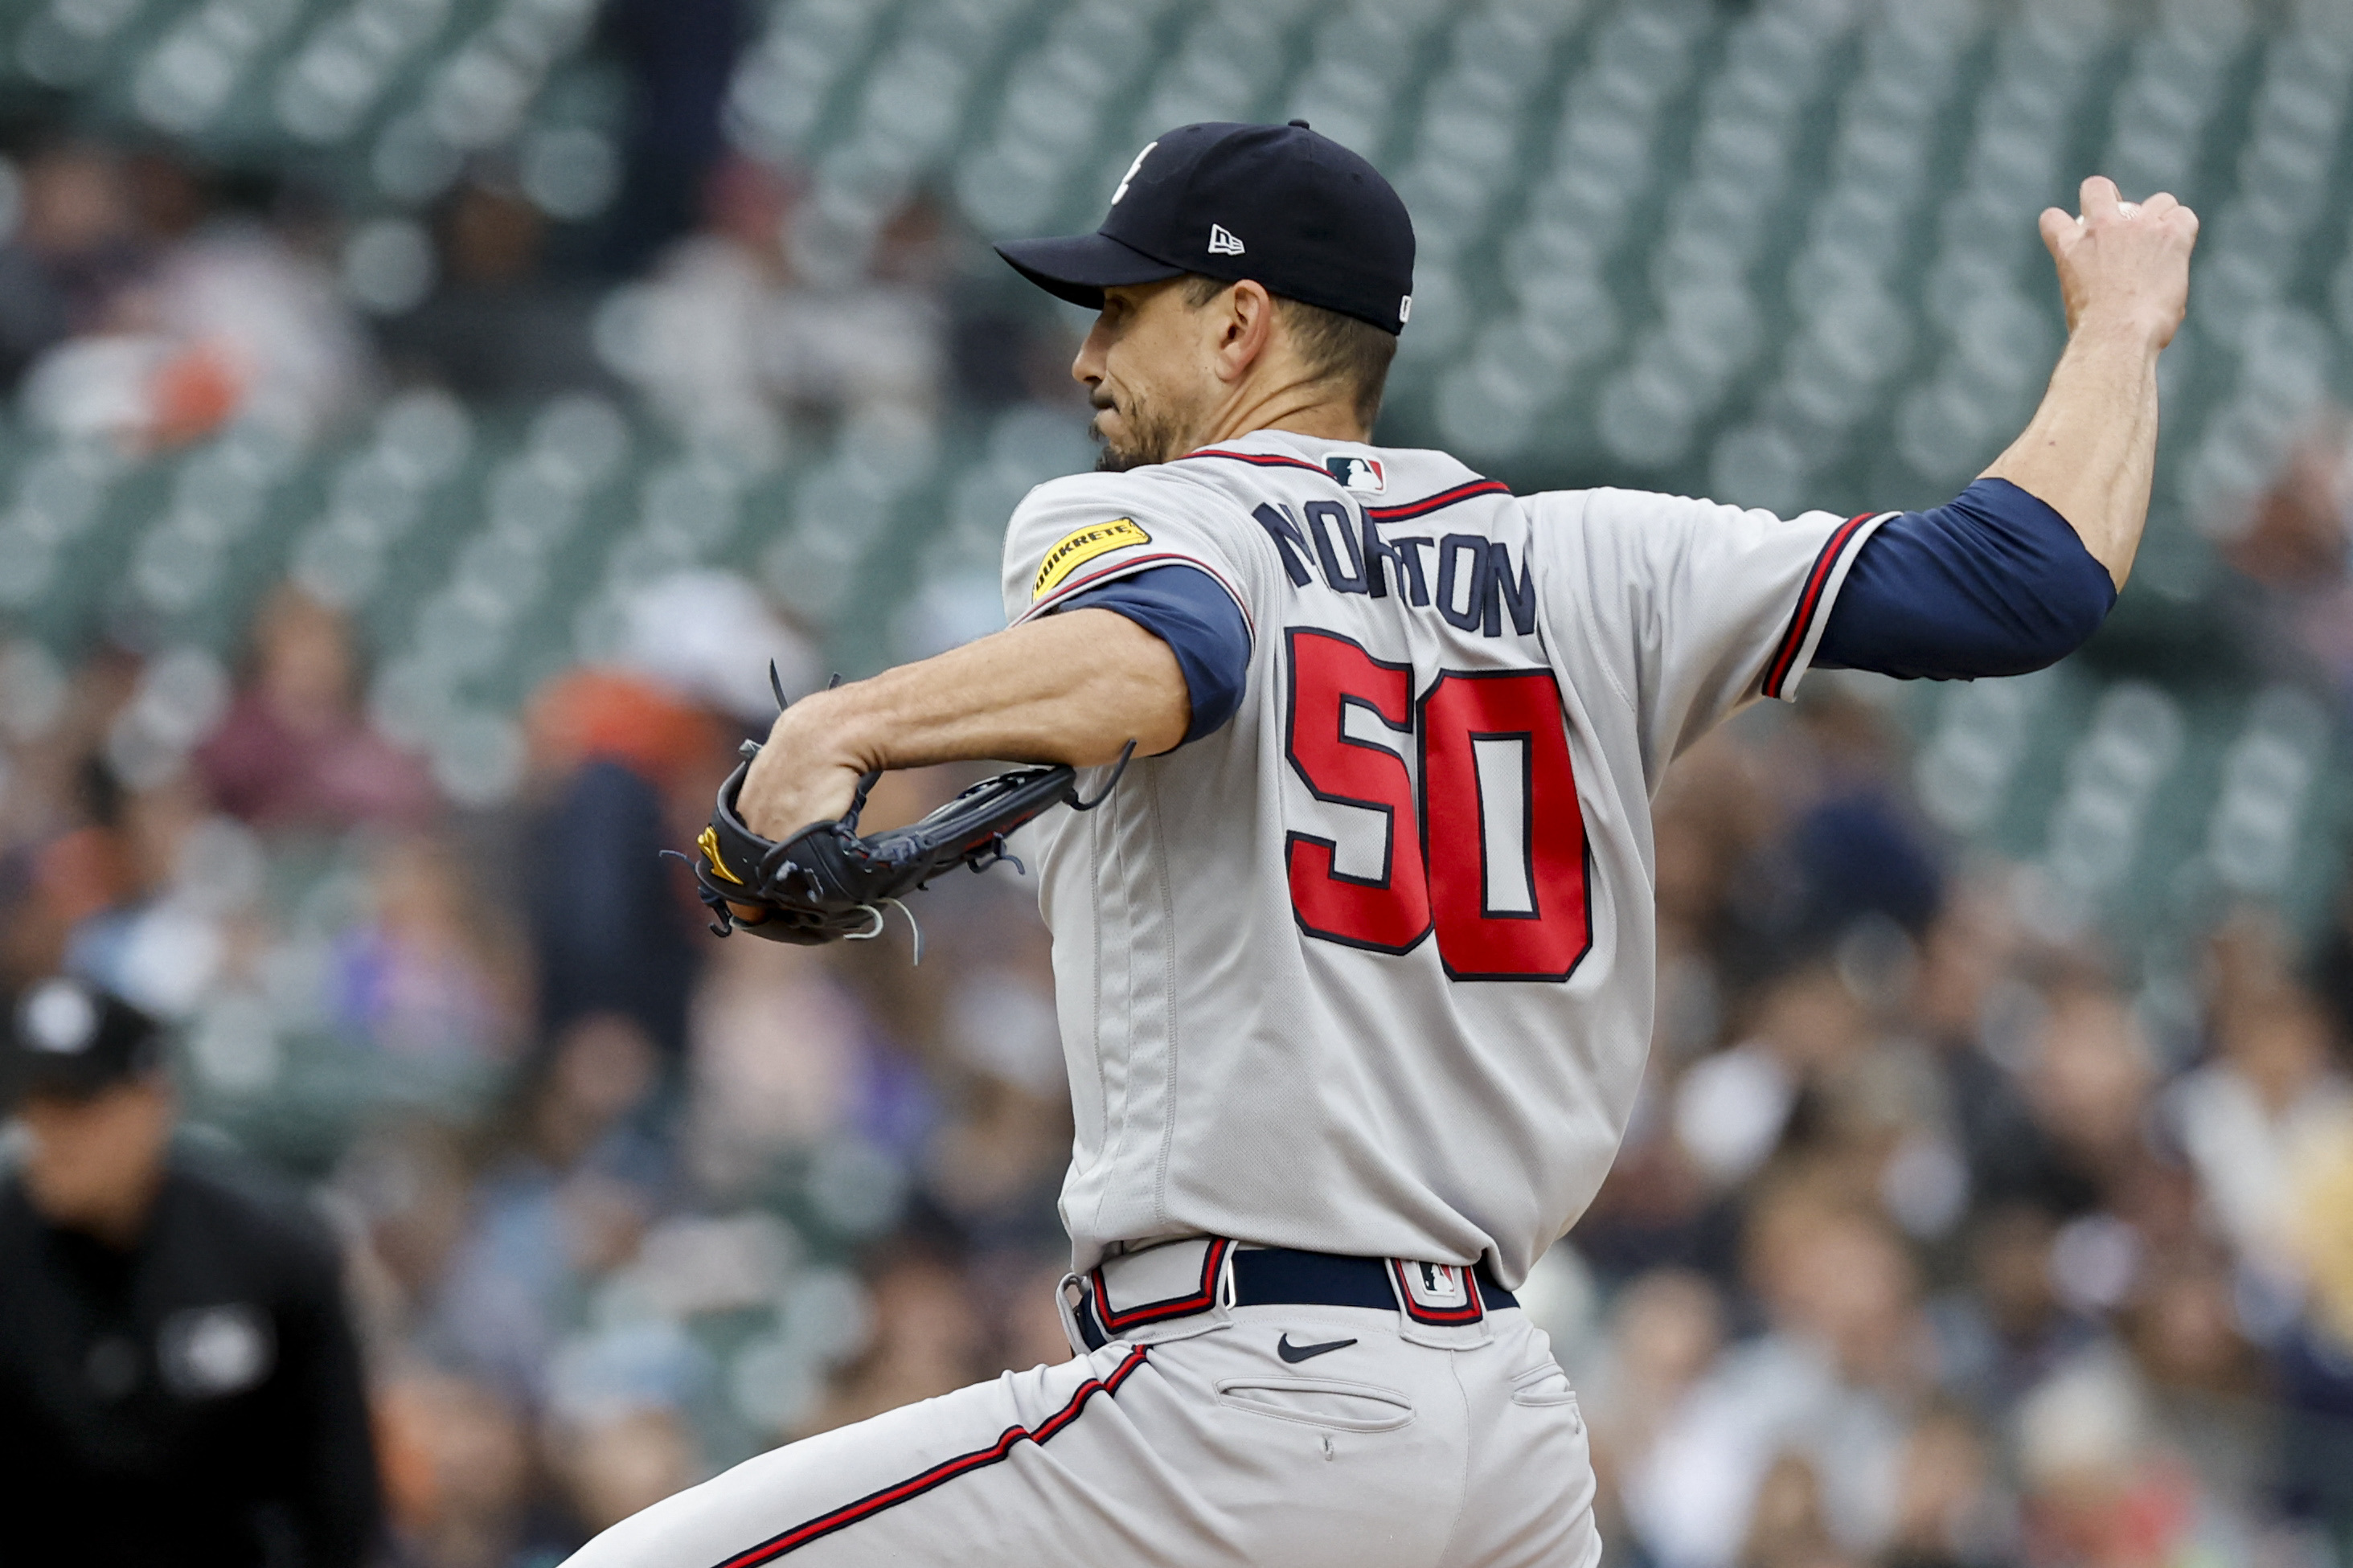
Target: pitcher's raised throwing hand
point(2123, 264)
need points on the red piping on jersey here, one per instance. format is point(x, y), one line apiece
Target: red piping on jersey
point(1130, 564)
point(1263, 459)
point(1461, 492)
point(1411, 509)
point(1802, 620)
point(938, 1475)
point(1473, 1308)
point(1200, 1301)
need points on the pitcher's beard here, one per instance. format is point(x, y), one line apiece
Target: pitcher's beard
point(1154, 435)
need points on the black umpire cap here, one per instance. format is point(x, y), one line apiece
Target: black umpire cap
point(1277, 203)
point(72, 1039)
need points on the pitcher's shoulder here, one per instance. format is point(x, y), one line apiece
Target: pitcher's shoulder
point(1158, 488)
point(1606, 506)
point(1371, 475)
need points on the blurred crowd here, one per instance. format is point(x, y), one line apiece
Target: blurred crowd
point(1929, 1243)
point(623, 1203)
point(149, 299)
point(1931, 1246)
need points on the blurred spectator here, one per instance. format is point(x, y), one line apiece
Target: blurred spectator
point(75, 247)
point(924, 1340)
point(2289, 547)
point(1665, 1331)
point(2312, 1359)
point(776, 1061)
point(2088, 1088)
point(2100, 1488)
point(135, 890)
point(584, 1171)
point(404, 1189)
point(699, 349)
point(178, 1378)
point(682, 54)
point(429, 976)
point(498, 327)
point(182, 908)
point(1806, 1424)
point(1948, 1513)
point(624, 762)
point(709, 635)
point(1851, 849)
point(1006, 346)
point(2269, 1103)
point(295, 751)
point(2205, 1386)
point(623, 758)
point(235, 283)
point(222, 319)
point(88, 867)
point(460, 1474)
point(730, 343)
point(1786, 1526)
point(1732, 1109)
point(2006, 1330)
point(619, 1463)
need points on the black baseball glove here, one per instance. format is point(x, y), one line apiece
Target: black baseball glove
point(827, 882)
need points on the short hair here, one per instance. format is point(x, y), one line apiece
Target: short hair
point(1335, 347)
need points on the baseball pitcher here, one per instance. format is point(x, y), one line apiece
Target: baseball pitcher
point(1354, 964)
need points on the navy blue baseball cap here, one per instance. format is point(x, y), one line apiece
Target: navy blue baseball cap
point(1276, 204)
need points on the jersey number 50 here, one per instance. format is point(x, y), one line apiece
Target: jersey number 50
point(1494, 847)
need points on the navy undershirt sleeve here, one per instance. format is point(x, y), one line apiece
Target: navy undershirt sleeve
point(1187, 608)
point(1992, 583)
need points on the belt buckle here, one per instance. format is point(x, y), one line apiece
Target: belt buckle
point(1442, 1295)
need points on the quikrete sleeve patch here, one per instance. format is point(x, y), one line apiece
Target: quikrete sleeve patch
point(1081, 547)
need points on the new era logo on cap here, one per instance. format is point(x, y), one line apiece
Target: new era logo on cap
point(1222, 241)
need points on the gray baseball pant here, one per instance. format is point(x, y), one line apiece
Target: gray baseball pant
point(1192, 1444)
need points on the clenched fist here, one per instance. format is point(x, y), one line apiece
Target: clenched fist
point(2123, 264)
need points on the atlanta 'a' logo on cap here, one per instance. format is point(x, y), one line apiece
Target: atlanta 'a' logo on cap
point(1362, 475)
point(1222, 241)
point(1133, 170)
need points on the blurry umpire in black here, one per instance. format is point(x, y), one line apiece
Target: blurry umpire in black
point(179, 1385)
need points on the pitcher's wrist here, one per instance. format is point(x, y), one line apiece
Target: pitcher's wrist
point(2129, 323)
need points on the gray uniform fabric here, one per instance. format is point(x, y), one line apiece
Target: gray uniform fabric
point(1397, 1447)
point(1235, 1073)
point(1369, 971)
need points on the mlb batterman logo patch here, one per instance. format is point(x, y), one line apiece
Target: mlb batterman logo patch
point(1079, 548)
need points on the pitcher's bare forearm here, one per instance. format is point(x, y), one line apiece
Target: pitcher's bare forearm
point(2090, 449)
point(1071, 688)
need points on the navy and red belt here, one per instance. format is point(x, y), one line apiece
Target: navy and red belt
point(1284, 1276)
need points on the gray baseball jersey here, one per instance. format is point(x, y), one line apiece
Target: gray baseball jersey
point(1370, 969)
point(1366, 971)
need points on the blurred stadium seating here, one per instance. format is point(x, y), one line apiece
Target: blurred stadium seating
point(1775, 254)
point(1778, 252)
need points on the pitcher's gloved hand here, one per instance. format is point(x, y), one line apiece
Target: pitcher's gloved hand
point(828, 882)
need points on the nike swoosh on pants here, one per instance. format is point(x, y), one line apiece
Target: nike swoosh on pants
point(1289, 1351)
